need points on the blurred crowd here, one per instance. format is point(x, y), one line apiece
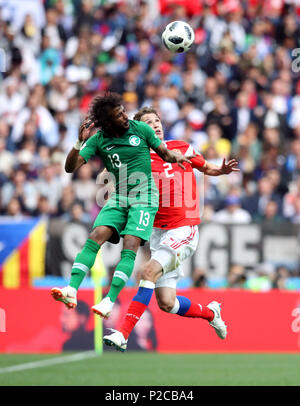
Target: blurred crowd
point(236, 93)
point(263, 277)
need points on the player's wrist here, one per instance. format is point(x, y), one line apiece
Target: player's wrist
point(78, 145)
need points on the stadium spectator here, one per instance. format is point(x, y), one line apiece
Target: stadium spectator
point(281, 278)
point(199, 278)
point(232, 213)
point(43, 208)
point(290, 199)
point(14, 209)
point(49, 185)
point(66, 201)
point(236, 277)
point(11, 100)
point(85, 187)
point(270, 214)
point(20, 188)
point(221, 145)
point(77, 214)
point(256, 203)
point(7, 161)
point(262, 280)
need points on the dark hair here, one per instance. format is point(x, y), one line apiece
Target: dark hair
point(101, 106)
point(143, 111)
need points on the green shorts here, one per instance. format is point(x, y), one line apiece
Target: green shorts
point(136, 219)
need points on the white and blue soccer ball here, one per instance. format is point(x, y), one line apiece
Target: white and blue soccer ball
point(178, 36)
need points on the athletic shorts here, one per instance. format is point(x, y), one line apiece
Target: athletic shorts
point(126, 219)
point(170, 248)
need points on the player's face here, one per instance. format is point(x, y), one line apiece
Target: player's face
point(119, 119)
point(154, 122)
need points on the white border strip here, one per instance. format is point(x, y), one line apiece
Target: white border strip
point(47, 362)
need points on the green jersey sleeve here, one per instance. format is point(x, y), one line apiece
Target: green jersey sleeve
point(90, 148)
point(152, 139)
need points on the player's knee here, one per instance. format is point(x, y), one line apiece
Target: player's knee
point(165, 305)
point(147, 272)
point(101, 234)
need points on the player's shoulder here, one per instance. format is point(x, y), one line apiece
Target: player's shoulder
point(141, 127)
point(176, 143)
point(97, 137)
point(138, 124)
point(182, 146)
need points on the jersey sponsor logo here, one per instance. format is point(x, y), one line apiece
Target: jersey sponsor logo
point(109, 148)
point(140, 229)
point(134, 140)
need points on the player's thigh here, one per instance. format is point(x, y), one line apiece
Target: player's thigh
point(171, 247)
point(140, 221)
point(114, 217)
point(165, 297)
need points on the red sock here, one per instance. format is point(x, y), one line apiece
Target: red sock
point(197, 310)
point(134, 312)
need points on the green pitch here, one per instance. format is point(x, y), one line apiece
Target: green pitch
point(146, 369)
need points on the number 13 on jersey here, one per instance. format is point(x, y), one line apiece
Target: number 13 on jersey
point(115, 160)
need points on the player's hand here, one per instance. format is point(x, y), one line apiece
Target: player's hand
point(230, 166)
point(85, 129)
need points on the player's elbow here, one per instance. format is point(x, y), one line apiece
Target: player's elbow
point(69, 168)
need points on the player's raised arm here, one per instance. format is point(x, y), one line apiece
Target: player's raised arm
point(74, 161)
point(173, 156)
point(225, 169)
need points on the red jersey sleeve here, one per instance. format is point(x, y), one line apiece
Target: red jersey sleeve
point(187, 150)
point(198, 161)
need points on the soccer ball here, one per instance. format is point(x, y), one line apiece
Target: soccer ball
point(178, 36)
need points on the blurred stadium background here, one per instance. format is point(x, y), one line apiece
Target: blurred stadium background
point(235, 94)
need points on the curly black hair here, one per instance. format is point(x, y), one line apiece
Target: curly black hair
point(101, 106)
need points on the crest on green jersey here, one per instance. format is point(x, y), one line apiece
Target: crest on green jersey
point(134, 140)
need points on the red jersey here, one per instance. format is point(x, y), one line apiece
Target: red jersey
point(179, 203)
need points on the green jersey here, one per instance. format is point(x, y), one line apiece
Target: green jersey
point(127, 158)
